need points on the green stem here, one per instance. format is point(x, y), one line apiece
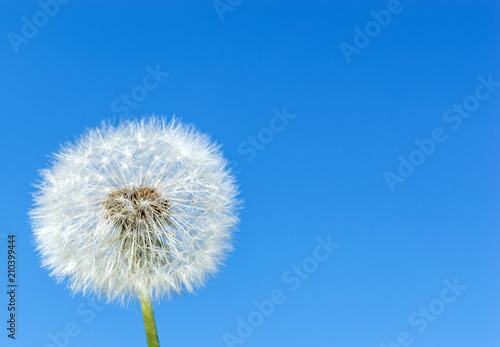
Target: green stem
point(149, 321)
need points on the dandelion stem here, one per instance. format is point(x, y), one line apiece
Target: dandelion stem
point(149, 321)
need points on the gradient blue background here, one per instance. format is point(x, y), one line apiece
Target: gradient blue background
point(323, 175)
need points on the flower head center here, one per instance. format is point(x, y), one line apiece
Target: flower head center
point(137, 208)
point(139, 214)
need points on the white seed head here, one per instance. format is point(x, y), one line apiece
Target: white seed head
point(142, 208)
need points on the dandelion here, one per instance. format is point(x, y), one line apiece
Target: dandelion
point(143, 210)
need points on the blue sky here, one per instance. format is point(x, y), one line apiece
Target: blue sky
point(313, 132)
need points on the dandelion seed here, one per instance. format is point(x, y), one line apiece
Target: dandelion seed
point(128, 187)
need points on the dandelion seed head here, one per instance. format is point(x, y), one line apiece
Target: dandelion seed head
point(146, 207)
